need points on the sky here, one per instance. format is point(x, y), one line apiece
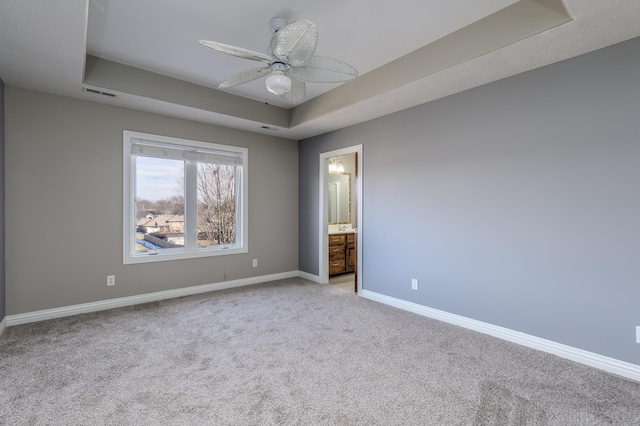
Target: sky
point(157, 178)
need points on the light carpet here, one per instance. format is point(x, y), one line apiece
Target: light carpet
point(290, 352)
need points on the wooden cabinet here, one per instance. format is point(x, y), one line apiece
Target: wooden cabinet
point(342, 253)
point(350, 253)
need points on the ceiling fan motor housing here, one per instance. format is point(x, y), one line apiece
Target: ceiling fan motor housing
point(277, 23)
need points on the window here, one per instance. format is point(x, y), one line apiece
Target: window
point(182, 198)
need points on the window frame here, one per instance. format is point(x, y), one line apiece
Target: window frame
point(190, 250)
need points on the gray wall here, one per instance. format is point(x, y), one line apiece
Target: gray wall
point(2, 243)
point(64, 204)
point(516, 203)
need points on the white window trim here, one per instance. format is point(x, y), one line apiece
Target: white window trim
point(130, 255)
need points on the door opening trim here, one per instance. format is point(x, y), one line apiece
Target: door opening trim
point(323, 226)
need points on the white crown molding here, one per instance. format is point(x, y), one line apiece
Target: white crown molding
point(102, 305)
point(611, 365)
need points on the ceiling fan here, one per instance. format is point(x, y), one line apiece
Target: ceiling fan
point(290, 61)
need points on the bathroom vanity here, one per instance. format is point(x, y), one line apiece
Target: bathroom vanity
point(342, 253)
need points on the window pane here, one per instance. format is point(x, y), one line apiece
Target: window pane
point(216, 204)
point(159, 198)
point(183, 199)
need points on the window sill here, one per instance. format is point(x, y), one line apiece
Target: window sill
point(168, 254)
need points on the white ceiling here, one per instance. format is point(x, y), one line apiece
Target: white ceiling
point(43, 45)
point(161, 35)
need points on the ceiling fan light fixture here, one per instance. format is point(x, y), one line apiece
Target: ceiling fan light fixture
point(278, 83)
point(290, 62)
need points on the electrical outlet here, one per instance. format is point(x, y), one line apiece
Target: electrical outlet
point(414, 284)
point(111, 280)
point(255, 263)
point(226, 276)
point(637, 333)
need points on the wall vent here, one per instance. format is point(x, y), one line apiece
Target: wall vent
point(99, 92)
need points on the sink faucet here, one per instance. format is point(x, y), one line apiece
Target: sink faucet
point(342, 228)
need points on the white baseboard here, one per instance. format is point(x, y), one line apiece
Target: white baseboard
point(102, 305)
point(611, 365)
point(3, 325)
point(309, 277)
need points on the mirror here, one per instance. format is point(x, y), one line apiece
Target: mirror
point(339, 197)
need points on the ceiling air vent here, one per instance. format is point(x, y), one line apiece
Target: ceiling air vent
point(98, 92)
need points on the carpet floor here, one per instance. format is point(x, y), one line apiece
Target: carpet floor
point(290, 352)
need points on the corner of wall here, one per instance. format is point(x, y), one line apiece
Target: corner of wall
point(2, 283)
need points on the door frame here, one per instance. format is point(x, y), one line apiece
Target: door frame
point(323, 225)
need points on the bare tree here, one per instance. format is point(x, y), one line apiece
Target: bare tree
point(217, 203)
point(172, 205)
point(143, 206)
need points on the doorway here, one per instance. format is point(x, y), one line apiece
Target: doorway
point(346, 216)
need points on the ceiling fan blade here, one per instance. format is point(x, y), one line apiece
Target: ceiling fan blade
point(295, 43)
point(245, 77)
point(235, 51)
point(322, 69)
point(296, 94)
